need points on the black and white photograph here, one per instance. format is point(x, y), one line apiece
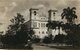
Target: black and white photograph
point(39, 24)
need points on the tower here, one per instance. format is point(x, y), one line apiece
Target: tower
point(33, 17)
point(33, 13)
point(51, 16)
point(37, 23)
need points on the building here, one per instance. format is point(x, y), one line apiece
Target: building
point(38, 23)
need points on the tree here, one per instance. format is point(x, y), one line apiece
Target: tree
point(17, 32)
point(60, 38)
point(72, 29)
point(54, 24)
point(37, 40)
point(69, 14)
point(17, 22)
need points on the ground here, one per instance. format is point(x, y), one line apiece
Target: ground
point(38, 47)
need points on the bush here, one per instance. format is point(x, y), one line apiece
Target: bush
point(37, 40)
point(47, 40)
point(60, 38)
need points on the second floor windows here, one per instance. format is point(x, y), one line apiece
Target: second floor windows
point(43, 25)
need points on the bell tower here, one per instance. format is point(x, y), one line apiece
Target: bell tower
point(33, 17)
point(51, 16)
point(33, 13)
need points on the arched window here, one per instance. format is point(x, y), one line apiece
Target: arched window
point(35, 12)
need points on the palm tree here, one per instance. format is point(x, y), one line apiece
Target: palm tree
point(70, 27)
point(54, 24)
point(69, 14)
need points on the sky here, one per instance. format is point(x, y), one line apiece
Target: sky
point(9, 8)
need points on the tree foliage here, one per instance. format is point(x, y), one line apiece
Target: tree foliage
point(69, 14)
point(17, 32)
point(72, 29)
point(48, 39)
point(60, 38)
point(16, 25)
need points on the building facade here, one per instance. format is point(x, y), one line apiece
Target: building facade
point(38, 23)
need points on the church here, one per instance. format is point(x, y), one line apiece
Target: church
point(38, 23)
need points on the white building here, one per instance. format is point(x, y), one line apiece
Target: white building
point(38, 23)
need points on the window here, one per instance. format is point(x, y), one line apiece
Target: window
point(42, 32)
point(34, 24)
point(35, 12)
point(39, 32)
point(42, 18)
point(39, 24)
point(46, 32)
point(42, 24)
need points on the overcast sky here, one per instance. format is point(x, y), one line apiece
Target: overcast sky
point(9, 8)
